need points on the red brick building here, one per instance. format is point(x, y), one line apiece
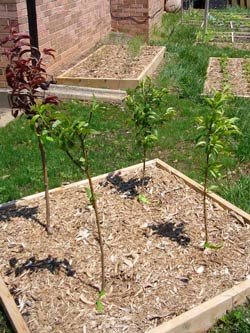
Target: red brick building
point(72, 27)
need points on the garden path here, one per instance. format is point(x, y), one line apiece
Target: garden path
point(5, 116)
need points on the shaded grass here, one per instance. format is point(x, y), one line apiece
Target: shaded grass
point(4, 323)
point(237, 321)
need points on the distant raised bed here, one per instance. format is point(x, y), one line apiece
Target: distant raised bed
point(113, 67)
point(232, 72)
point(233, 39)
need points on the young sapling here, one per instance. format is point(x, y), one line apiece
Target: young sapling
point(72, 137)
point(146, 106)
point(28, 80)
point(215, 134)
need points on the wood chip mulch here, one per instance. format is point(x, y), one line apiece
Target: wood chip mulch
point(114, 61)
point(238, 79)
point(155, 265)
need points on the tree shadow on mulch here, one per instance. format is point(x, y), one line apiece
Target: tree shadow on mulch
point(173, 231)
point(129, 188)
point(34, 265)
point(29, 213)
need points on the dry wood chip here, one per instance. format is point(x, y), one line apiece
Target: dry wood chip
point(155, 265)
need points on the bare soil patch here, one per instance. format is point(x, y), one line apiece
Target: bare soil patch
point(114, 61)
point(235, 74)
point(155, 265)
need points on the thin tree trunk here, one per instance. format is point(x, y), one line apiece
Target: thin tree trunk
point(182, 10)
point(189, 6)
point(94, 204)
point(205, 19)
point(144, 165)
point(205, 204)
point(46, 185)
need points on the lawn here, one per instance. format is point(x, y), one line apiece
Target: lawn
point(183, 73)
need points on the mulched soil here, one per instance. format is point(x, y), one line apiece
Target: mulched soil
point(114, 61)
point(238, 81)
point(155, 265)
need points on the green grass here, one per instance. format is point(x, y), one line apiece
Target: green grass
point(4, 323)
point(237, 321)
point(183, 73)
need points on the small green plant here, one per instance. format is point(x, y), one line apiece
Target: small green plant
point(225, 73)
point(215, 132)
point(237, 321)
point(72, 137)
point(146, 104)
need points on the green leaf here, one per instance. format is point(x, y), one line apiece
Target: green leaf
point(213, 246)
point(212, 188)
point(89, 194)
point(56, 123)
point(99, 305)
point(34, 119)
point(49, 138)
point(142, 198)
point(82, 160)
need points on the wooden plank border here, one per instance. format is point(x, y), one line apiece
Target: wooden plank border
point(110, 83)
point(81, 183)
point(196, 186)
point(204, 316)
point(156, 162)
point(11, 310)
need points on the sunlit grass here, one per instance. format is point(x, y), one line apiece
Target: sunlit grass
point(183, 73)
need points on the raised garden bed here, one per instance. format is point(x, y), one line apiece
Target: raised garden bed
point(239, 40)
point(231, 72)
point(156, 268)
point(111, 66)
point(231, 37)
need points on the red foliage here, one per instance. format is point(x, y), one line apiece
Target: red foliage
point(25, 73)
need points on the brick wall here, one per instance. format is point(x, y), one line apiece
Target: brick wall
point(8, 15)
point(71, 27)
point(139, 10)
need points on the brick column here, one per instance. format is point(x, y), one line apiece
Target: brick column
point(141, 15)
